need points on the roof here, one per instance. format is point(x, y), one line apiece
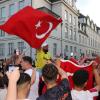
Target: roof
point(81, 16)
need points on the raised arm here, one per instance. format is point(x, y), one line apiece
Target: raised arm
point(12, 86)
point(61, 71)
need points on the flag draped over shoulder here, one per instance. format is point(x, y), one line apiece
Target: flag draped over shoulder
point(31, 25)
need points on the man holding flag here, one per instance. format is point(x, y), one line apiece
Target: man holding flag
point(42, 56)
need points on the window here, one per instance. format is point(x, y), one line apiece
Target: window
point(70, 34)
point(80, 51)
point(75, 49)
point(66, 52)
point(66, 32)
point(84, 28)
point(71, 49)
point(21, 4)
point(82, 39)
point(79, 38)
point(74, 21)
point(11, 9)
point(66, 15)
point(75, 39)
point(54, 49)
point(89, 52)
point(86, 52)
point(2, 49)
point(93, 42)
point(89, 41)
point(2, 33)
point(21, 46)
point(10, 48)
point(88, 21)
point(3, 12)
point(70, 19)
point(66, 48)
point(85, 40)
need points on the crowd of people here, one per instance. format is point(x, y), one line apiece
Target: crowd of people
point(47, 78)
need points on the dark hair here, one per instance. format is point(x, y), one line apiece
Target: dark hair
point(15, 51)
point(80, 77)
point(27, 59)
point(4, 81)
point(23, 79)
point(49, 72)
point(1, 83)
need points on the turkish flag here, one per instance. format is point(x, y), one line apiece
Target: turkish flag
point(71, 67)
point(31, 25)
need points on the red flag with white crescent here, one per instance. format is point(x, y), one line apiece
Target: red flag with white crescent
point(32, 25)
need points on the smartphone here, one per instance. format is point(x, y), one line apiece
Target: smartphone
point(11, 68)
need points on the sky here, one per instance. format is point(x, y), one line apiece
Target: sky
point(90, 8)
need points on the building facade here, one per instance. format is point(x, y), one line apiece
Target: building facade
point(89, 36)
point(69, 28)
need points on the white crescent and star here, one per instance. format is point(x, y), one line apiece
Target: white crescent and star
point(38, 25)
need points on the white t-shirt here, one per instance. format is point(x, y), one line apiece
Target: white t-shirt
point(34, 88)
point(83, 95)
point(3, 93)
point(29, 72)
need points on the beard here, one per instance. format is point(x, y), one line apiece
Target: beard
point(45, 51)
